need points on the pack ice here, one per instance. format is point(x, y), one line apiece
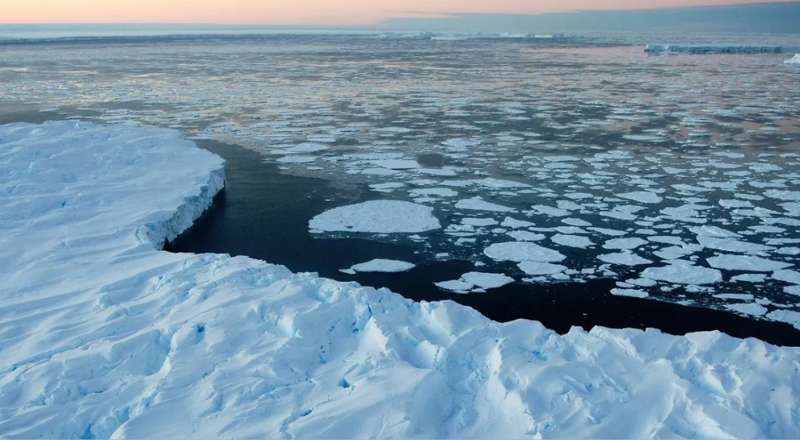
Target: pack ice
point(102, 334)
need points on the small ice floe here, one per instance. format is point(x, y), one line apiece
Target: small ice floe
point(519, 251)
point(642, 197)
point(635, 293)
point(748, 308)
point(746, 263)
point(377, 217)
point(576, 241)
point(683, 272)
point(475, 282)
point(478, 204)
point(624, 243)
point(509, 222)
point(624, 259)
point(535, 269)
point(381, 265)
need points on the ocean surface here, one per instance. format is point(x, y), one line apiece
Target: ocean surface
point(647, 191)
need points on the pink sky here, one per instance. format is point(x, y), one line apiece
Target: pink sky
point(295, 12)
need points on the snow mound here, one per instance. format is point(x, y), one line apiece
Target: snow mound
point(104, 335)
point(378, 217)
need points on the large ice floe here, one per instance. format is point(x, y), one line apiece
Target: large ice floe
point(102, 334)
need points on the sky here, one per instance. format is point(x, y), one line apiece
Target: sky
point(300, 12)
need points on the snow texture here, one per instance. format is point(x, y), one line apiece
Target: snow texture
point(102, 334)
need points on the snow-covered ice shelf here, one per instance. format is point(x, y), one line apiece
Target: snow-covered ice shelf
point(102, 334)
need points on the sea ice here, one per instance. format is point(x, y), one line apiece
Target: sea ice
point(793, 60)
point(533, 268)
point(378, 217)
point(478, 204)
point(683, 272)
point(127, 340)
point(624, 243)
point(635, 293)
point(576, 241)
point(519, 251)
point(642, 197)
point(746, 263)
point(381, 265)
point(624, 259)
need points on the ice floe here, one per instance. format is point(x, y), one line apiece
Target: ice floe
point(377, 216)
point(382, 265)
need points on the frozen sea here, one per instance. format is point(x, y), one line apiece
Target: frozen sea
point(613, 187)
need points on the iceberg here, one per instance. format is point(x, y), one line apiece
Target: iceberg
point(103, 334)
point(793, 60)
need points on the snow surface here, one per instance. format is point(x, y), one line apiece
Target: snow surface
point(104, 335)
point(377, 216)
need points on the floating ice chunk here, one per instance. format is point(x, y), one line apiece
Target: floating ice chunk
point(793, 60)
point(377, 216)
point(749, 278)
point(746, 263)
point(741, 296)
point(522, 251)
point(509, 222)
point(551, 211)
point(576, 241)
point(667, 239)
point(624, 259)
point(576, 222)
point(396, 164)
point(714, 231)
point(469, 281)
point(624, 243)
point(387, 187)
point(381, 265)
point(732, 245)
point(306, 148)
point(533, 268)
point(478, 204)
point(437, 192)
point(493, 183)
point(455, 286)
point(683, 272)
point(487, 280)
point(526, 236)
point(643, 138)
point(609, 232)
point(789, 276)
point(642, 197)
point(478, 221)
point(297, 159)
point(748, 309)
point(793, 196)
point(788, 316)
point(635, 293)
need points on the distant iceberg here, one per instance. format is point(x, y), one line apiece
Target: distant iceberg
point(712, 48)
point(793, 60)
